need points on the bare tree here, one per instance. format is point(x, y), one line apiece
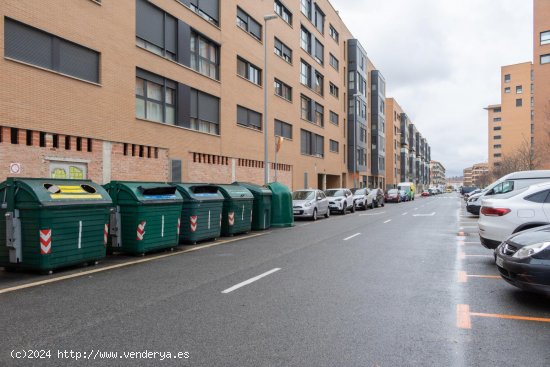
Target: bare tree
point(483, 179)
point(525, 158)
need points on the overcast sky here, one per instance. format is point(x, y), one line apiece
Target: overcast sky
point(441, 61)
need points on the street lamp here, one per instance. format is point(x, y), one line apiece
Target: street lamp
point(266, 160)
point(355, 123)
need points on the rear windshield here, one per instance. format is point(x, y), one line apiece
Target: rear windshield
point(393, 191)
point(335, 193)
point(303, 195)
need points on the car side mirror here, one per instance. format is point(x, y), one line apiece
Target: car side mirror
point(319, 198)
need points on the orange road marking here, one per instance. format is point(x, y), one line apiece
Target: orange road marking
point(463, 320)
point(510, 317)
point(461, 233)
point(462, 277)
point(461, 255)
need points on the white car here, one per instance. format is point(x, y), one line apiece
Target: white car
point(513, 212)
point(362, 199)
point(340, 200)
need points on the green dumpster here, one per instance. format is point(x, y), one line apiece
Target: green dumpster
point(201, 213)
point(281, 205)
point(237, 209)
point(147, 216)
point(261, 207)
point(50, 223)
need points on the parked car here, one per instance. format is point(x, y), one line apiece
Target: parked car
point(404, 196)
point(513, 212)
point(523, 259)
point(467, 189)
point(394, 196)
point(425, 193)
point(377, 197)
point(309, 204)
point(468, 194)
point(340, 200)
point(505, 184)
point(408, 187)
point(361, 199)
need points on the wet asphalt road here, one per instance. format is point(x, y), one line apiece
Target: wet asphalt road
point(377, 288)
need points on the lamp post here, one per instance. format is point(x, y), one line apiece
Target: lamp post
point(355, 124)
point(266, 160)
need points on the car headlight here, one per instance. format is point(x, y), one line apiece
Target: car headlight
point(307, 205)
point(531, 250)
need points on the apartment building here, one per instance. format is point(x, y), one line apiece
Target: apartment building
point(510, 123)
point(541, 69)
point(174, 90)
point(393, 142)
point(479, 174)
point(468, 181)
point(437, 174)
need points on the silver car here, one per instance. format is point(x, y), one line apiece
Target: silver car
point(362, 199)
point(309, 204)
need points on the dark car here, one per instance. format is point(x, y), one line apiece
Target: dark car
point(523, 259)
point(393, 196)
point(377, 197)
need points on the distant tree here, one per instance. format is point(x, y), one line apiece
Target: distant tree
point(483, 180)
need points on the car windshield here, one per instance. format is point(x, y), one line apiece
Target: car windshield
point(393, 191)
point(406, 188)
point(361, 192)
point(335, 193)
point(504, 187)
point(303, 195)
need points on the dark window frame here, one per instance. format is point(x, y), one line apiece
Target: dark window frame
point(282, 11)
point(282, 50)
point(248, 67)
point(196, 59)
point(244, 21)
point(167, 84)
point(334, 144)
point(249, 114)
point(281, 87)
point(283, 129)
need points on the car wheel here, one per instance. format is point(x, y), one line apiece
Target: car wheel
point(383, 203)
point(314, 216)
point(375, 203)
point(327, 214)
point(353, 208)
point(343, 211)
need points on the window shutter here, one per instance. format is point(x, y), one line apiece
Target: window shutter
point(27, 44)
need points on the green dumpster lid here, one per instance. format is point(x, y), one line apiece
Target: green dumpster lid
point(146, 192)
point(199, 192)
point(55, 192)
point(277, 187)
point(234, 192)
point(255, 189)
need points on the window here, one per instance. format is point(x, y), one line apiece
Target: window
point(333, 61)
point(539, 197)
point(248, 24)
point(305, 7)
point(497, 155)
point(305, 108)
point(283, 51)
point(47, 51)
point(207, 9)
point(156, 30)
point(204, 56)
point(519, 102)
point(351, 80)
point(497, 128)
point(204, 114)
point(497, 146)
point(497, 109)
point(319, 83)
point(283, 90)
point(319, 116)
point(519, 89)
point(319, 19)
point(305, 73)
point(319, 52)
point(333, 89)
point(507, 90)
point(333, 146)
point(507, 78)
point(545, 37)
point(283, 12)
point(545, 59)
point(334, 118)
point(497, 137)
point(249, 71)
point(249, 118)
point(155, 98)
point(283, 129)
point(305, 40)
point(311, 144)
point(497, 119)
point(333, 34)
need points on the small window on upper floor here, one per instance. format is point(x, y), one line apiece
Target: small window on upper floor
point(507, 90)
point(334, 34)
point(545, 37)
point(519, 102)
point(283, 12)
point(545, 59)
point(507, 78)
point(519, 89)
point(249, 71)
point(249, 24)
